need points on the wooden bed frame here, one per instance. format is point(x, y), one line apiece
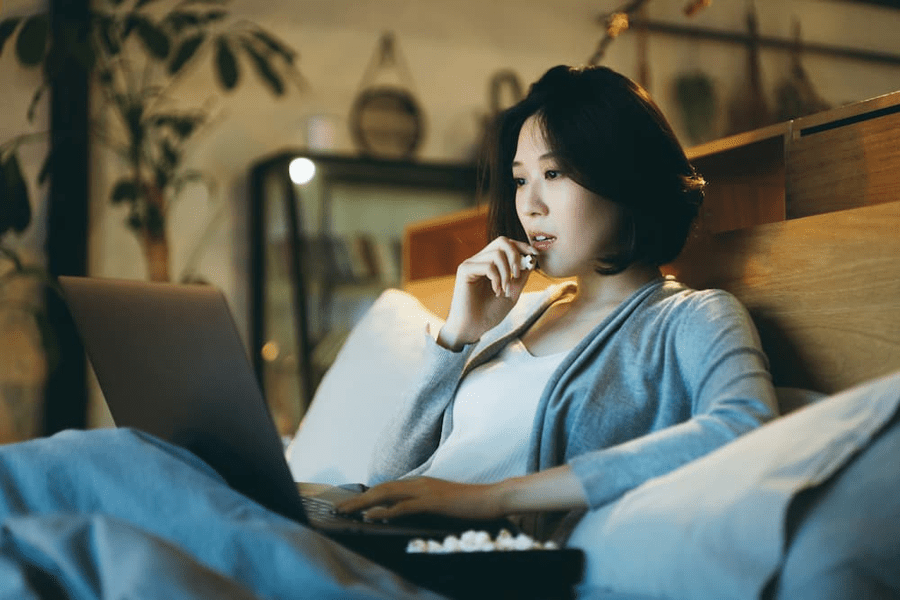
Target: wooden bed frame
point(801, 222)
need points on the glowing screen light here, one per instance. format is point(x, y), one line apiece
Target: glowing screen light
point(301, 170)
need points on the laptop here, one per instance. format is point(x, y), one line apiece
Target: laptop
point(170, 362)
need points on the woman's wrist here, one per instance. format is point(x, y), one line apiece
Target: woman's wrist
point(451, 340)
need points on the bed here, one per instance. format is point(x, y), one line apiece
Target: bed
point(801, 224)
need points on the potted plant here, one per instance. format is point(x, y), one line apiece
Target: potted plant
point(27, 345)
point(137, 52)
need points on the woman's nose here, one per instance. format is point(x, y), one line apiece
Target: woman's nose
point(533, 200)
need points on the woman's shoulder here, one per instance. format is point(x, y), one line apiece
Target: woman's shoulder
point(676, 298)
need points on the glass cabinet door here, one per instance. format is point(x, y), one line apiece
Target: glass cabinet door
point(323, 250)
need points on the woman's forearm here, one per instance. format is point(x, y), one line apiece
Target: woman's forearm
point(553, 489)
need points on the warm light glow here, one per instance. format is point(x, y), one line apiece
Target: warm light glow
point(302, 170)
point(270, 351)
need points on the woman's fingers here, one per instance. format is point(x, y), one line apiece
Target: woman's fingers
point(501, 262)
point(403, 508)
point(424, 495)
point(376, 496)
point(487, 286)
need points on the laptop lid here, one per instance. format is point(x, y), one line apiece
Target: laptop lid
point(170, 361)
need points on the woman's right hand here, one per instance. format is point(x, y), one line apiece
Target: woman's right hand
point(487, 286)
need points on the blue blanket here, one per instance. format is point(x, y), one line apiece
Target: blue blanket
point(117, 513)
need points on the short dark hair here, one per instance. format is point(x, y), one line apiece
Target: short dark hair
point(612, 139)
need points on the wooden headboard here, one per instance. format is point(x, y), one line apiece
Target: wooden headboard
point(801, 222)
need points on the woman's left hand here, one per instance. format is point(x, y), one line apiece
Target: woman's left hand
point(426, 495)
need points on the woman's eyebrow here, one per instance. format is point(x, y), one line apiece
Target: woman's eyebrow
point(547, 156)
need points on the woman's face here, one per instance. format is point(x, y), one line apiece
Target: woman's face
point(569, 225)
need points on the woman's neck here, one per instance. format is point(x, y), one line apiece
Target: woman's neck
point(598, 293)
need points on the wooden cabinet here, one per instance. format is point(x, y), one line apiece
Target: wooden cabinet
point(834, 160)
point(844, 158)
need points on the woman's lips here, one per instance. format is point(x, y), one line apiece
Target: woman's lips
point(541, 242)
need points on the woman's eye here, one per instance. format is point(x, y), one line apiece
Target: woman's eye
point(519, 181)
point(552, 174)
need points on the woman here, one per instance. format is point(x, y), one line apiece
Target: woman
point(569, 398)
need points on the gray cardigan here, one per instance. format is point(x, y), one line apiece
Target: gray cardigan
point(670, 375)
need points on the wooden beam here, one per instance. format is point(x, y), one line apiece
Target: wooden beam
point(731, 37)
point(65, 398)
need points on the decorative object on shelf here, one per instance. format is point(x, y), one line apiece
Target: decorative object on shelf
point(137, 53)
point(386, 121)
point(748, 108)
point(695, 95)
point(796, 96)
point(505, 90)
point(643, 42)
point(620, 20)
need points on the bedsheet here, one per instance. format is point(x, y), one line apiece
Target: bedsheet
point(117, 513)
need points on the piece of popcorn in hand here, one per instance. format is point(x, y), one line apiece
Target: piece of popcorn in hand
point(527, 262)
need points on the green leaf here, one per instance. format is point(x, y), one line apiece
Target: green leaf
point(265, 70)
point(226, 65)
point(276, 46)
point(185, 52)
point(49, 341)
point(170, 156)
point(181, 125)
point(12, 256)
point(214, 15)
point(32, 106)
point(107, 29)
point(15, 206)
point(155, 39)
point(185, 126)
point(179, 20)
point(134, 221)
point(155, 223)
point(7, 27)
point(32, 41)
point(81, 47)
point(46, 168)
point(129, 24)
point(125, 190)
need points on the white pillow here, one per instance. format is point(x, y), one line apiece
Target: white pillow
point(351, 405)
point(715, 528)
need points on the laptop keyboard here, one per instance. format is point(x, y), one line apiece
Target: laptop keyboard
point(322, 511)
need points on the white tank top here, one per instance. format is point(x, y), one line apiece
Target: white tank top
point(493, 416)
